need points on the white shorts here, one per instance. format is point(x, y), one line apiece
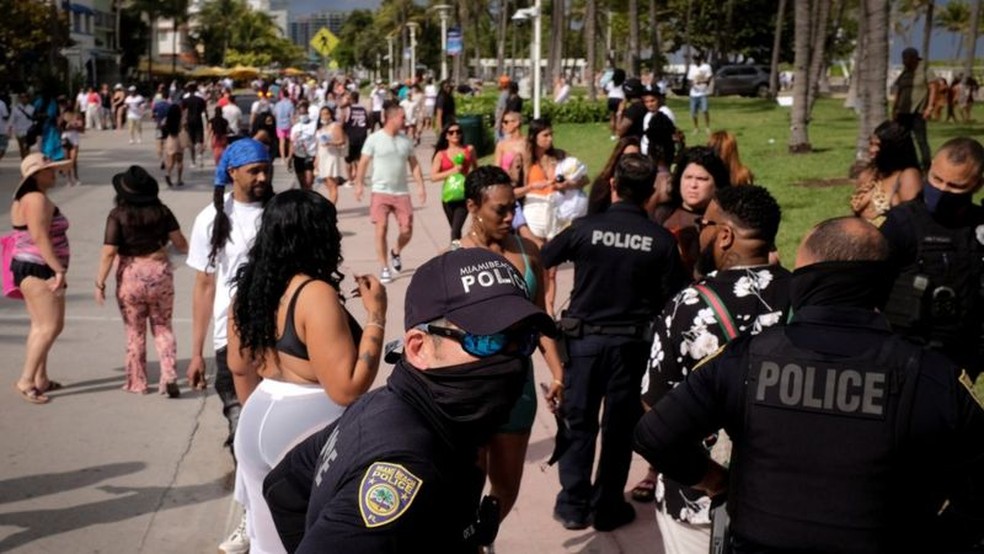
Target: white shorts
point(541, 216)
point(682, 538)
point(276, 418)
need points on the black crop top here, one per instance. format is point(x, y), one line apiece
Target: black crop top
point(290, 343)
point(140, 233)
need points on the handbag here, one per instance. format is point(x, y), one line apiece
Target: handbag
point(453, 189)
point(10, 290)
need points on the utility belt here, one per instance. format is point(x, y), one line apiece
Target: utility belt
point(577, 328)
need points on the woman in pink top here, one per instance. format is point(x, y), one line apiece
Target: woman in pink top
point(39, 264)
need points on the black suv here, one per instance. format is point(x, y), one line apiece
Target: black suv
point(746, 80)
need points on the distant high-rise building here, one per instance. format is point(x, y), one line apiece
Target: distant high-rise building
point(303, 29)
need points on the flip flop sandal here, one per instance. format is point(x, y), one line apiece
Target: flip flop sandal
point(644, 491)
point(33, 395)
point(52, 385)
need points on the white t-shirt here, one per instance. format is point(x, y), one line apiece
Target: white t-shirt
point(700, 79)
point(134, 106)
point(669, 113)
point(409, 106)
point(82, 100)
point(614, 91)
point(245, 222)
point(562, 94)
point(430, 95)
point(378, 96)
point(304, 137)
point(21, 119)
point(4, 118)
point(232, 114)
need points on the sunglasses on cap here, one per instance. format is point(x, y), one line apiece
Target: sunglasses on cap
point(483, 346)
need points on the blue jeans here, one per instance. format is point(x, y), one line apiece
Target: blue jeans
point(698, 103)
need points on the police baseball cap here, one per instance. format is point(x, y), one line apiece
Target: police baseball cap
point(911, 52)
point(476, 289)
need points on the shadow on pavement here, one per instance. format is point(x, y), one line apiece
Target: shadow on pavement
point(33, 486)
point(130, 502)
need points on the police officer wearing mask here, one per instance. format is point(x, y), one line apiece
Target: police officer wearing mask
point(847, 438)
point(937, 253)
point(397, 472)
point(625, 268)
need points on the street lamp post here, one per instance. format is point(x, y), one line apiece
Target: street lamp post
point(413, 50)
point(444, 12)
point(534, 14)
point(389, 42)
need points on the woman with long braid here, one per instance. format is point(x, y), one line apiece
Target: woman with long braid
point(220, 241)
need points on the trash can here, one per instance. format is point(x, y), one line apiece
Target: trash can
point(473, 132)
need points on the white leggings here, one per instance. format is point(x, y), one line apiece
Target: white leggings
point(276, 418)
point(682, 538)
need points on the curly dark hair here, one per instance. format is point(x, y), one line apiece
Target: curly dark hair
point(896, 150)
point(706, 158)
point(298, 235)
point(753, 208)
point(483, 178)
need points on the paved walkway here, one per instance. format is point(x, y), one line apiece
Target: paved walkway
point(98, 470)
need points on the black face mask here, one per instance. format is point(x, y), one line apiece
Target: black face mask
point(847, 284)
point(470, 400)
point(944, 203)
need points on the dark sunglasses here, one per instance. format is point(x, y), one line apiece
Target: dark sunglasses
point(702, 223)
point(483, 346)
point(454, 131)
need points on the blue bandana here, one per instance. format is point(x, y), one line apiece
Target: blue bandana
point(242, 152)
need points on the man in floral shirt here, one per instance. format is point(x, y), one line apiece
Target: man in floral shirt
point(742, 294)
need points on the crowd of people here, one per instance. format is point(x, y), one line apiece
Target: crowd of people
point(790, 395)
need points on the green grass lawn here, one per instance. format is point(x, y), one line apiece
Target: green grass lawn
point(762, 128)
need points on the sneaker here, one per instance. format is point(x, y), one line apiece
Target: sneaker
point(573, 523)
point(385, 276)
point(238, 541)
point(397, 263)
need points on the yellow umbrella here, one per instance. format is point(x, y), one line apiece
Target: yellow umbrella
point(243, 72)
point(293, 72)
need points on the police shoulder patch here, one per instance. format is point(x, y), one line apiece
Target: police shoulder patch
point(386, 492)
point(969, 385)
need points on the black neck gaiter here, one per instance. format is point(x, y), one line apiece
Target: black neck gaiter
point(466, 403)
point(846, 284)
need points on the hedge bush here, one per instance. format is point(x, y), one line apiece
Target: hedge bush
point(576, 110)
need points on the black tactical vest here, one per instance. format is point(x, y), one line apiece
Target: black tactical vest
point(818, 461)
point(938, 300)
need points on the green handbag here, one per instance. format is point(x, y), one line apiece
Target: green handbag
point(453, 189)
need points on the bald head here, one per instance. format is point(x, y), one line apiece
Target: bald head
point(842, 239)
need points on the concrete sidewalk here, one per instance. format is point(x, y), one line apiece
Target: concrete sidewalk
point(98, 470)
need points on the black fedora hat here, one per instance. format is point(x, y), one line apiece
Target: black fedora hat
point(136, 186)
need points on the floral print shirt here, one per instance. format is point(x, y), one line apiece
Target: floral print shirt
point(687, 331)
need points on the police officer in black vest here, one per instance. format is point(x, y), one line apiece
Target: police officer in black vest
point(847, 438)
point(937, 252)
point(397, 472)
point(625, 268)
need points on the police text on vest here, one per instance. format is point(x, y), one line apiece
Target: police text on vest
point(836, 390)
point(622, 240)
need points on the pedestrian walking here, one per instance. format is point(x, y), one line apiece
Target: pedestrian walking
point(329, 158)
point(138, 231)
point(72, 126)
point(218, 129)
point(453, 160)
point(356, 127)
point(390, 152)
point(303, 146)
point(913, 101)
point(195, 111)
point(135, 106)
point(700, 75)
point(21, 120)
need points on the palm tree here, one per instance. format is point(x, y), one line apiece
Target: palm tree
point(975, 22)
point(558, 22)
point(590, 41)
point(776, 46)
point(874, 22)
point(799, 139)
point(175, 10)
point(955, 18)
point(633, 53)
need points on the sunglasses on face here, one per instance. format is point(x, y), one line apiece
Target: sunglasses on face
point(702, 223)
point(454, 132)
point(483, 346)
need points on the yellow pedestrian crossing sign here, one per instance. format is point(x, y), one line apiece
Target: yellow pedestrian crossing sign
point(324, 42)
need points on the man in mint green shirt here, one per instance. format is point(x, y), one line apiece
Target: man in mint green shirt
point(389, 151)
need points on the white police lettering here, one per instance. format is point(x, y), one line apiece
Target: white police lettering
point(837, 390)
point(489, 274)
point(328, 455)
point(622, 240)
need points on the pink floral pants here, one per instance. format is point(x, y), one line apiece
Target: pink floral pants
point(145, 290)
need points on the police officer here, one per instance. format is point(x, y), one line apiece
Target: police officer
point(937, 250)
point(397, 472)
point(847, 438)
point(625, 269)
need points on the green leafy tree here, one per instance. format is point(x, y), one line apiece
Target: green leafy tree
point(30, 38)
point(954, 17)
point(359, 41)
point(232, 34)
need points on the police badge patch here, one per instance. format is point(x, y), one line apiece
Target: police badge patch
point(386, 492)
